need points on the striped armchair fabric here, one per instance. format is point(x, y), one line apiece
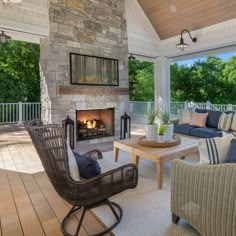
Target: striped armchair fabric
point(205, 197)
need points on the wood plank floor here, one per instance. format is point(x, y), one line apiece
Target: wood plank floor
point(29, 205)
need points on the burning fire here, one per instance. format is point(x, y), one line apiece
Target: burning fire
point(90, 124)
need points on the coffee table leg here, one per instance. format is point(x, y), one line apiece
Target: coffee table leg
point(135, 159)
point(159, 175)
point(116, 153)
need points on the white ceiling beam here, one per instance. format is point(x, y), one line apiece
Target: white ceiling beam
point(28, 28)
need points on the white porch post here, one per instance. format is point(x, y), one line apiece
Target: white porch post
point(162, 82)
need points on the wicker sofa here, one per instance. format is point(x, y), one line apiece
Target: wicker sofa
point(204, 196)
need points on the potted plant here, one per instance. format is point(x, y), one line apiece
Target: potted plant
point(161, 133)
point(151, 127)
point(164, 116)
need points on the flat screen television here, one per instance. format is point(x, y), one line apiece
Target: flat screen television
point(92, 70)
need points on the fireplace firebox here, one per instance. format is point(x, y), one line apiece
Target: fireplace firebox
point(95, 123)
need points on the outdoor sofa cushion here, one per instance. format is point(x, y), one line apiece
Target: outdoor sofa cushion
point(183, 129)
point(206, 132)
point(225, 121)
point(233, 124)
point(185, 115)
point(198, 119)
point(213, 118)
point(211, 129)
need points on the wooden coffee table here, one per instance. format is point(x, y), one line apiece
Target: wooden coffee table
point(158, 155)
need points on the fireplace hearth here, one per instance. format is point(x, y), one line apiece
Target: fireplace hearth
point(96, 123)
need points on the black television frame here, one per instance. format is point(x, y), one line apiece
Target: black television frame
point(74, 81)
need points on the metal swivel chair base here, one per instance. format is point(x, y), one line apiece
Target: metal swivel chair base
point(118, 215)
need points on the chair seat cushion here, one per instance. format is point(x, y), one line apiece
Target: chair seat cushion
point(206, 132)
point(87, 166)
point(108, 164)
point(183, 129)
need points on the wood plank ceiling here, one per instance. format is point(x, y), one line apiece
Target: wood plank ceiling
point(169, 17)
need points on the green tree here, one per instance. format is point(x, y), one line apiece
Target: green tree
point(141, 81)
point(19, 72)
point(203, 81)
point(229, 77)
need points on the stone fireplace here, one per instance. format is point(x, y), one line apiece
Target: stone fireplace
point(93, 28)
point(94, 124)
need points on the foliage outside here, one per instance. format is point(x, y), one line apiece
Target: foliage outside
point(19, 72)
point(212, 80)
point(141, 81)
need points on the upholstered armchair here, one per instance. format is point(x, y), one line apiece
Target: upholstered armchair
point(205, 197)
point(83, 195)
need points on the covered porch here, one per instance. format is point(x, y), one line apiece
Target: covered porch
point(145, 36)
point(29, 205)
point(112, 30)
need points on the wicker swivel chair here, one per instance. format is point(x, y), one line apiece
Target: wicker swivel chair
point(50, 144)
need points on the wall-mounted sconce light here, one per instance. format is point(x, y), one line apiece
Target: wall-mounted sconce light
point(4, 38)
point(182, 45)
point(131, 57)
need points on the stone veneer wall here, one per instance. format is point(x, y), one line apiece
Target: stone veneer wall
point(90, 27)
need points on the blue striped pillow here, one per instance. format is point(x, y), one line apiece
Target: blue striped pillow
point(214, 150)
point(225, 121)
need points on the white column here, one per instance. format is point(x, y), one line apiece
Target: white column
point(162, 82)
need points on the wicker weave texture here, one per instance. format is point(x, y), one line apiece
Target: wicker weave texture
point(204, 196)
point(50, 144)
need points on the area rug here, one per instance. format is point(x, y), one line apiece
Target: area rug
point(146, 210)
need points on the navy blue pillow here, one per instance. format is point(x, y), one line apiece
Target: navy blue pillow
point(88, 167)
point(198, 110)
point(231, 155)
point(213, 118)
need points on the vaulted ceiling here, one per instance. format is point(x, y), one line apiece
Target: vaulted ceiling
point(169, 17)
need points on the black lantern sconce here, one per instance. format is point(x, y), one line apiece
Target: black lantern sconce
point(125, 126)
point(131, 57)
point(4, 38)
point(182, 45)
point(68, 126)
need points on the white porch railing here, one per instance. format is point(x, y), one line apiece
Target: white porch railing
point(19, 112)
point(138, 108)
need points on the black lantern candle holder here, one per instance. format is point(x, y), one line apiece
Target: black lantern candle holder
point(125, 126)
point(68, 126)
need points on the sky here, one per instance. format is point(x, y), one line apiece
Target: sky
point(224, 57)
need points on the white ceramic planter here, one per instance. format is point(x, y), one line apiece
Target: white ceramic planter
point(169, 132)
point(151, 132)
point(161, 138)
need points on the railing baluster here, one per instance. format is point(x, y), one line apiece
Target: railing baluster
point(10, 115)
point(33, 110)
point(7, 113)
point(13, 112)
